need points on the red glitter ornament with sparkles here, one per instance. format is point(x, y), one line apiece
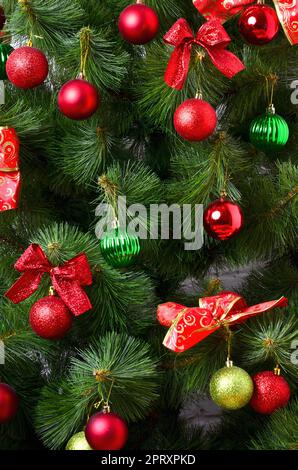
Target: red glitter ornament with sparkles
point(223, 219)
point(50, 318)
point(271, 392)
point(195, 120)
point(27, 67)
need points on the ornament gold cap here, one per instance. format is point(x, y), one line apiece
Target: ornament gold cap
point(277, 370)
point(51, 291)
point(271, 109)
point(106, 409)
point(229, 362)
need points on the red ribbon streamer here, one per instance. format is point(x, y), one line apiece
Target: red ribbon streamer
point(66, 279)
point(212, 37)
point(287, 12)
point(189, 326)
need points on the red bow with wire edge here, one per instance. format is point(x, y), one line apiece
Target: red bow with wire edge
point(190, 325)
point(66, 279)
point(212, 37)
point(287, 12)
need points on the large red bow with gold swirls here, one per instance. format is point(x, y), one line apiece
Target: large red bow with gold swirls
point(212, 37)
point(66, 279)
point(287, 12)
point(190, 325)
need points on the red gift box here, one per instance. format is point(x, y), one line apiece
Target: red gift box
point(10, 177)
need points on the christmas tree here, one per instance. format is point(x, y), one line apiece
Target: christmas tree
point(150, 338)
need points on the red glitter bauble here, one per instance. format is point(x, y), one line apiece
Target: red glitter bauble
point(223, 219)
point(270, 392)
point(258, 24)
point(9, 403)
point(195, 120)
point(27, 67)
point(2, 18)
point(138, 24)
point(50, 318)
point(78, 99)
point(106, 431)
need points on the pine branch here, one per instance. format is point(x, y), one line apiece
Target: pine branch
point(117, 360)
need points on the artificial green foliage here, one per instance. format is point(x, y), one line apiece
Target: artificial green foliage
point(71, 170)
point(280, 432)
point(117, 365)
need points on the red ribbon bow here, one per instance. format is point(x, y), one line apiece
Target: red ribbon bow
point(66, 279)
point(212, 37)
point(189, 326)
point(287, 12)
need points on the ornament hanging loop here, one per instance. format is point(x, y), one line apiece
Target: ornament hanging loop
point(85, 34)
point(271, 82)
point(229, 335)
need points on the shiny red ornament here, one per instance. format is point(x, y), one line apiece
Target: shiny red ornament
point(78, 99)
point(271, 392)
point(138, 24)
point(223, 219)
point(258, 24)
point(106, 431)
point(27, 67)
point(2, 18)
point(10, 177)
point(9, 403)
point(50, 318)
point(195, 120)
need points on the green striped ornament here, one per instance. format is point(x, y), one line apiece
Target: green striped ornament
point(269, 132)
point(119, 248)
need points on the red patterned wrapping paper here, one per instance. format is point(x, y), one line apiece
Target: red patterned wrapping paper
point(10, 177)
point(287, 11)
point(190, 325)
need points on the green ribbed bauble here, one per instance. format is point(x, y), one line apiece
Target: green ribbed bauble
point(269, 131)
point(5, 51)
point(231, 388)
point(78, 442)
point(119, 248)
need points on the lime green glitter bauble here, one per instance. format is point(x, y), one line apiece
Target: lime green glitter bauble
point(231, 388)
point(120, 248)
point(269, 131)
point(5, 51)
point(78, 442)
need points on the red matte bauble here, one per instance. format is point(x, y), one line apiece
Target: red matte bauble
point(27, 67)
point(258, 24)
point(106, 431)
point(50, 318)
point(195, 120)
point(223, 219)
point(78, 99)
point(2, 18)
point(9, 403)
point(138, 24)
point(271, 392)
